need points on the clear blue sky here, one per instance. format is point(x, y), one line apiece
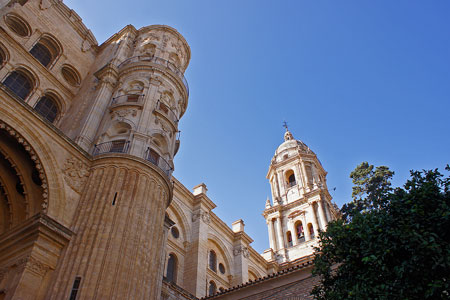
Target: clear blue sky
point(356, 81)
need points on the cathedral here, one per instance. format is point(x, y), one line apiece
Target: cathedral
point(89, 208)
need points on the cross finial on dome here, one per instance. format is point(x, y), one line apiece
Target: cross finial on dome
point(288, 135)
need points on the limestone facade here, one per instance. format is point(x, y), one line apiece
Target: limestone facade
point(89, 208)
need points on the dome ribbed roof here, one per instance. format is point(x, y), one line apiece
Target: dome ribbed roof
point(290, 143)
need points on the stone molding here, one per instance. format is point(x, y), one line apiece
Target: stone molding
point(34, 157)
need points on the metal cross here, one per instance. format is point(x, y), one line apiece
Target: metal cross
point(285, 125)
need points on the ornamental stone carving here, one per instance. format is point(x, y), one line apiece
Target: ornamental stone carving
point(37, 267)
point(45, 4)
point(122, 113)
point(75, 173)
point(32, 264)
point(85, 46)
point(241, 250)
point(203, 215)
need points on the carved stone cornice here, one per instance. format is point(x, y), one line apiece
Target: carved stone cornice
point(108, 75)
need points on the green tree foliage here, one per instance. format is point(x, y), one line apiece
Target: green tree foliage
point(390, 243)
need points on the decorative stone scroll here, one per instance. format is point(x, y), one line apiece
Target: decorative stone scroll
point(76, 174)
point(241, 250)
point(32, 264)
point(45, 4)
point(205, 217)
point(122, 113)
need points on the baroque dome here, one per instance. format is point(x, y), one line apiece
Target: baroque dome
point(292, 144)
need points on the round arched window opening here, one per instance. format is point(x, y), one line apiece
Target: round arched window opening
point(19, 83)
point(212, 289)
point(18, 25)
point(46, 50)
point(222, 268)
point(71, 75)
point(175, 232)
point(48, 108)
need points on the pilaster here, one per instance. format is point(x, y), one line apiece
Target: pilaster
point(196, 265)
point(29, 254)
point(107, 77)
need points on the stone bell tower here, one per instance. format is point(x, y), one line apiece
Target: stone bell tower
point(301, 202)
point(130, 128)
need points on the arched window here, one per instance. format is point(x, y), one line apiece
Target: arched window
point(299, 231)
point(19, 83)
point(47, 108)
point(45, 51)
point(42, 54)
point(289, 238)
point(212, 288)
point(290, 177)
point(213, 260)
point(311, 230)
point(171, 273)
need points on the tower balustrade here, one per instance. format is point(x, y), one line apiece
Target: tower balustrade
point(160, 61)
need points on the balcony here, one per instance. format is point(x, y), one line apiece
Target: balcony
point(119, 146)
point(128, 99)
point(160, 61)
point(122, 146)
point(165, 111)
point(153, 157)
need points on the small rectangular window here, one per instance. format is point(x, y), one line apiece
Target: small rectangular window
point(75, 288)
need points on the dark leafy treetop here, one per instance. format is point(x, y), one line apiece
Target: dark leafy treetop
point(390, 243)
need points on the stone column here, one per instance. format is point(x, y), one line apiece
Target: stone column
point(327, 211)
point(272, 241)
point(305, 228)
point(321, 215)
point(305, 177)
point(314, 220)
point(119, 233)
point(281, 184)
point(280, 234)
point(292, 230)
